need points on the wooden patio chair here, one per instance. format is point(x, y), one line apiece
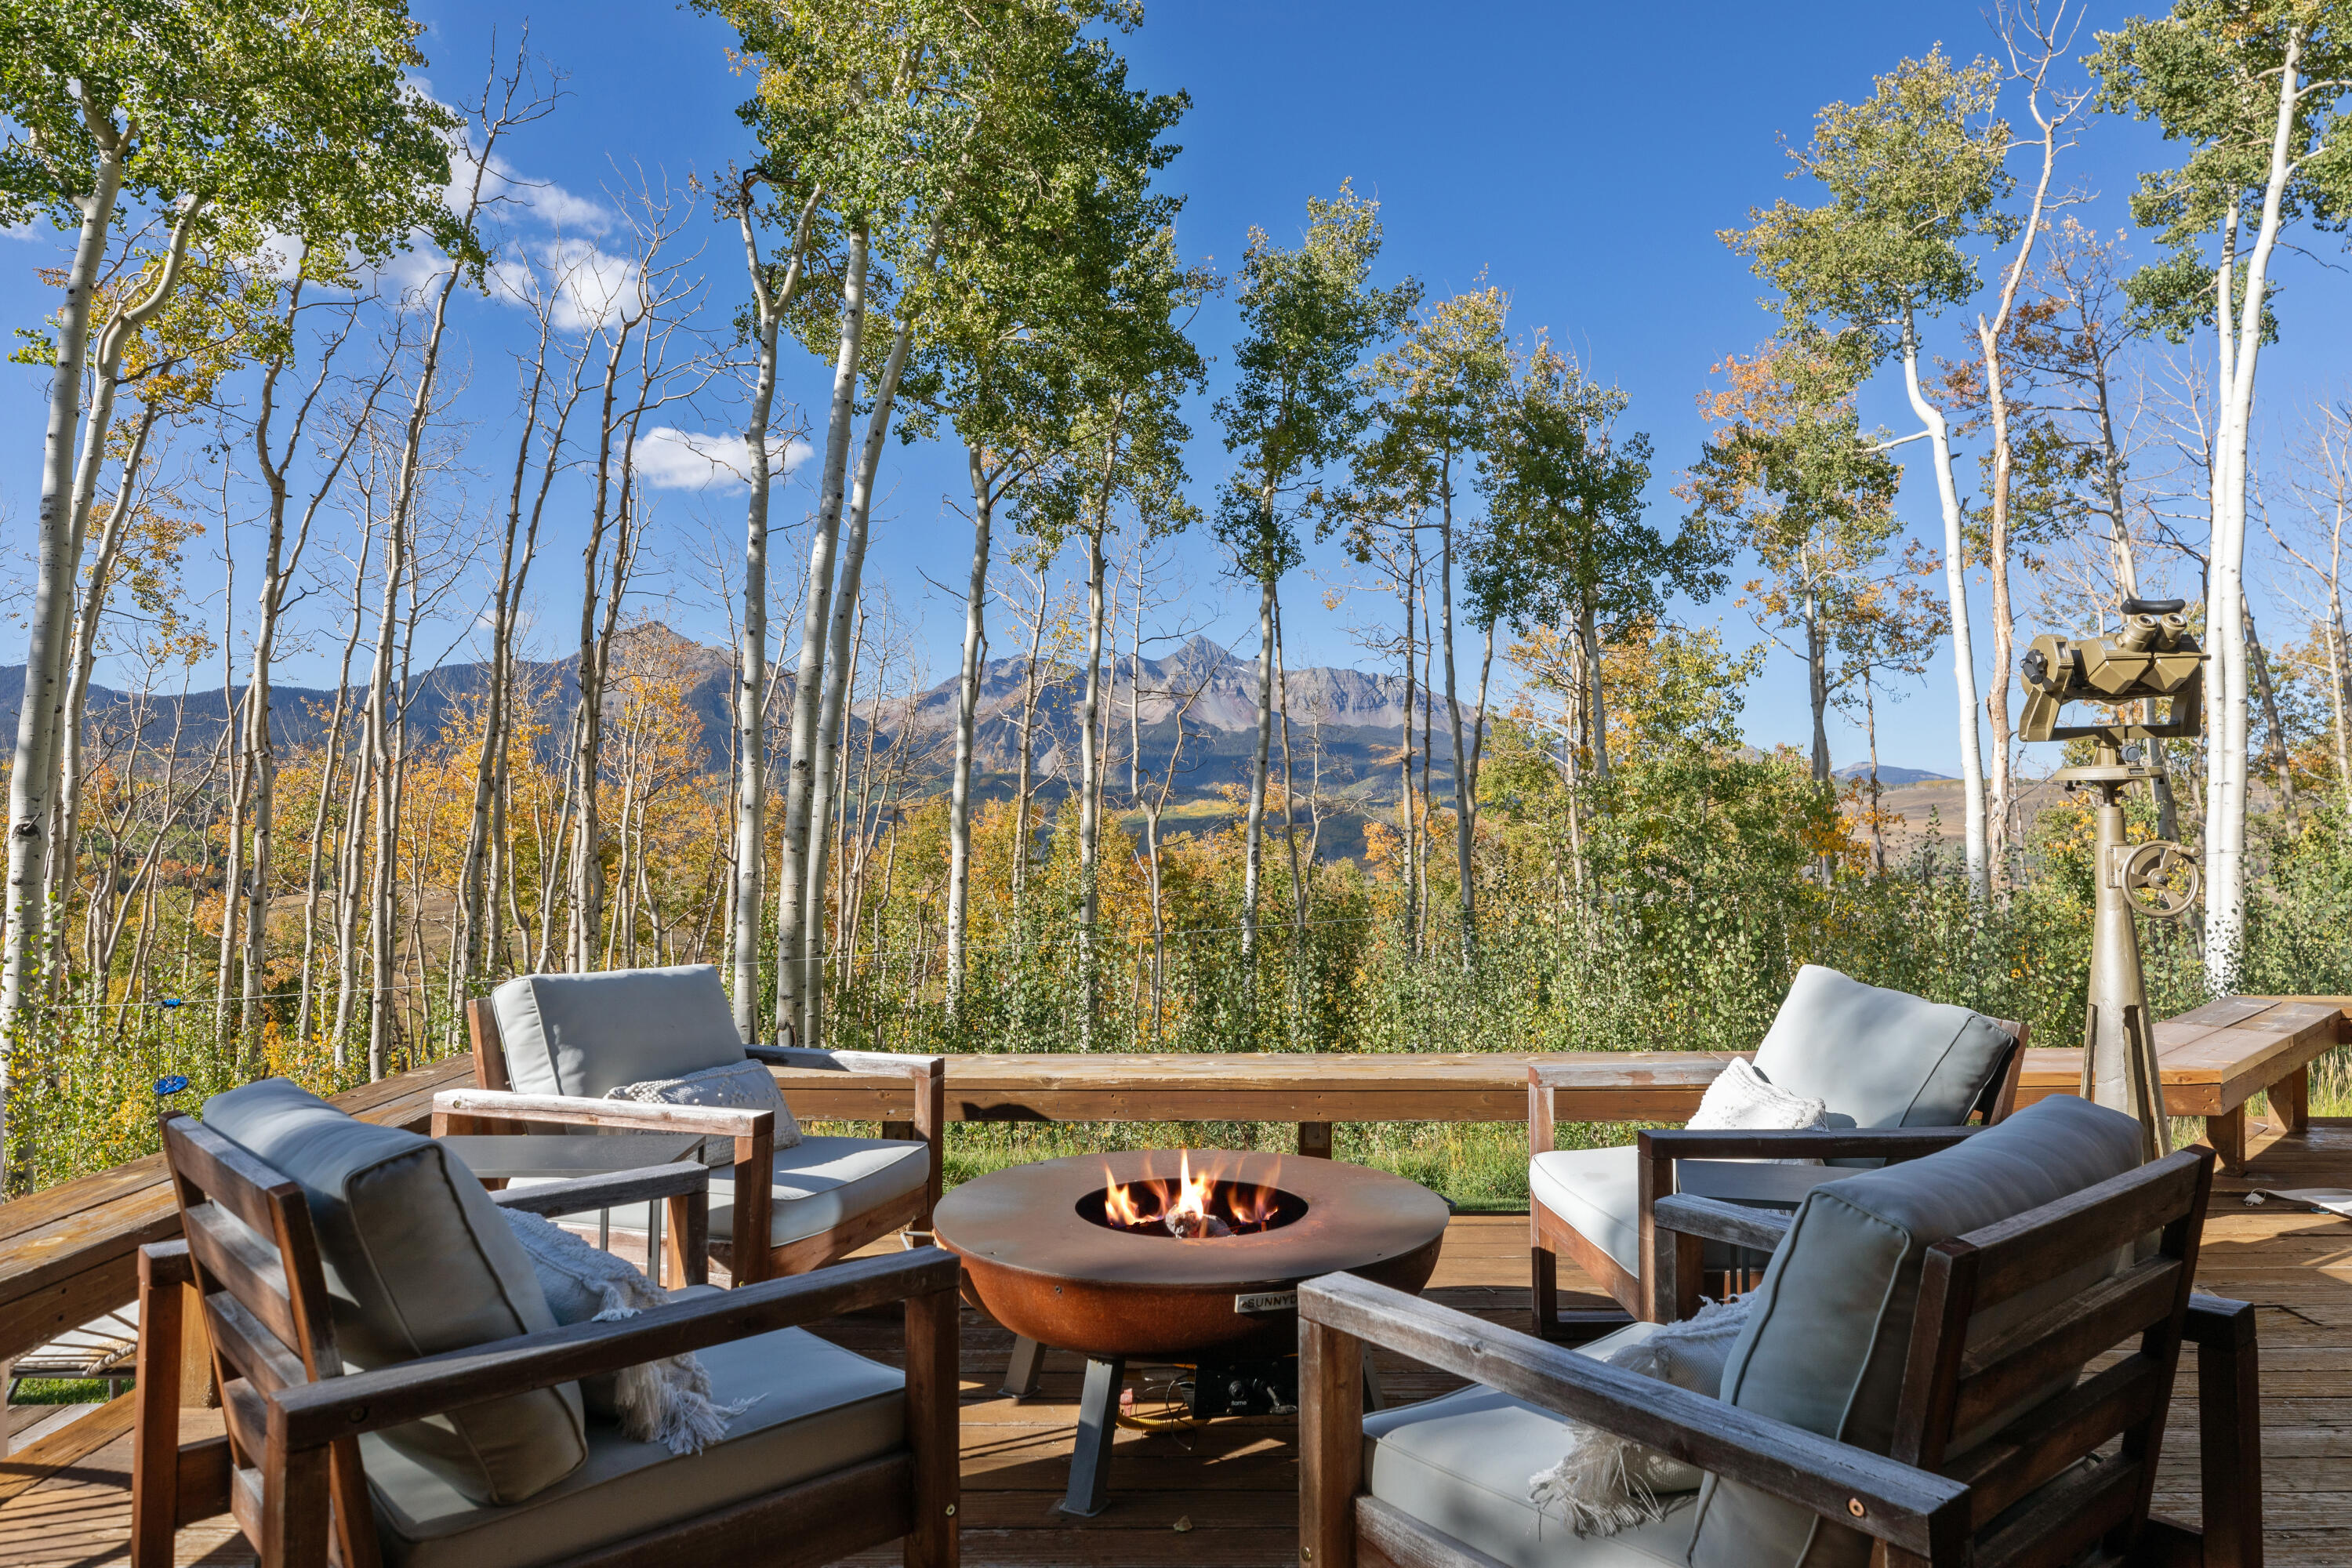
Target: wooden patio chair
point(362, 1299)
point(1910, 1387)
point(548, 1048)
point(1878, 1059)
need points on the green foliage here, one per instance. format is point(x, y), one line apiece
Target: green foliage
point(1566, 541)
point(1911, 173)
point(250, 116)
point(2209, 74)
point(1308, 316)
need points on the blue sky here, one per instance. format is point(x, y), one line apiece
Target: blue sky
point(1581, 156)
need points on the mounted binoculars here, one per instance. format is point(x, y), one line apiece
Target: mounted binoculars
point(2154, 658)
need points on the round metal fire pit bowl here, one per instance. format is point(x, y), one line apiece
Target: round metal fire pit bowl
point(1037, 1265)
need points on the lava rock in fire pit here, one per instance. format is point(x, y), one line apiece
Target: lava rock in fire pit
point(1193, 1225)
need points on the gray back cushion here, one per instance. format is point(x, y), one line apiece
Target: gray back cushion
point(1884, 1058)
point(587, 1034)
point(418, 1261)
point(1828, 1335)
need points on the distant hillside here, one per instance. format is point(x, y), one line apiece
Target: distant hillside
point(300, 715)
point(1350, 721)
point(1345, 721)
point(1890, 775)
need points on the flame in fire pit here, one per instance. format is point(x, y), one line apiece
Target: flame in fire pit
point(1196, 1206)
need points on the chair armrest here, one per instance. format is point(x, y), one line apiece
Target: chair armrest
point(311, 1414)
point(608, 1189)
point(929, 1081)
point(1712, 1219)
point(717, 1120)
point(1911, 1510)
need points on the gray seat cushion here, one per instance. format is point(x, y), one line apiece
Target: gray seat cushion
point(1596, 1190)
point(588, 1034)
point(1461, 1464)
point(1879, 1058)
point(819, 1408)
point(819, 1184)
point(1826, 1340)
point(418, 1261)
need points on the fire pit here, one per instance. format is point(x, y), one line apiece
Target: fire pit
point(1165, 1255)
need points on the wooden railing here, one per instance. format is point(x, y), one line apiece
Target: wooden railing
point(67, 1254)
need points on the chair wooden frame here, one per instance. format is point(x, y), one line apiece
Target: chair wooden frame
point(288, 1467)
point(1918, 1508)
point(1642, 1296)
point(493, 1107)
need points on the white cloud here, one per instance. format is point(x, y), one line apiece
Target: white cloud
point(673, 459)
point(505, 188)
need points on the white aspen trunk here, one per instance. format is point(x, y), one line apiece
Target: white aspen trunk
point(1090, 763)
point(2225, 822)
point(279, 563)
point(239, 780)
point(81, 655)
point(975, 646)
point(1024, 769)
point(2000, 804)
point(1407, 821)
point(1596, 701)
point(745, 894)
point(1955, 589)
point(752, 679)
point(2340, 693)
point(29, 803)
point(1817, 682)
point(1870, 734)
point(1290, 820)
point(1453, 719)
point(834, 707)
point(329, 763)
point(476, 893)
point(1253, 822)
point(587, 869)
point(800, 778)
point(383, 762)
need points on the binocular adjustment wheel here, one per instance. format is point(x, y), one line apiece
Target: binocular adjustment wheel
point(2160, 879)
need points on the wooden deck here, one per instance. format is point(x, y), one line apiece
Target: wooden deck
point(1226, 1494)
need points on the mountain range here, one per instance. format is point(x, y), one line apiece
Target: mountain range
point(1351, 719)
point(1347, 722)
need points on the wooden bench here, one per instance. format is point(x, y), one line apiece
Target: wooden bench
point(2219, 1056)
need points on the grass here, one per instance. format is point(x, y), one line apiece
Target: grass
point(63, 1391)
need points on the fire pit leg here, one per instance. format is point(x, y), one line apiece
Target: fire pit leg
point(1020, 1372)
point(1373, 1398)
point(1097, 1421)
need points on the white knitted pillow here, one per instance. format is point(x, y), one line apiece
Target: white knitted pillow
point(1742, 1098)
point(737, 1086)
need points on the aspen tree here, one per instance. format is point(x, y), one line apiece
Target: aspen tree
point(2255, 90)
point(227, 115)
point(1310, 314)
point(1438, 395)
point(1910, 174)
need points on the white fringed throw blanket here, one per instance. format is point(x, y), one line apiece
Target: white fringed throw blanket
point(1605, 1483)
point(666, 1401)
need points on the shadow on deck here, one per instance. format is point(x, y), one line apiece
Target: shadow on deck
point(1228, 1494)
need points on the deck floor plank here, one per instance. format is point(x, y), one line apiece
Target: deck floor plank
point(1226, 1494)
